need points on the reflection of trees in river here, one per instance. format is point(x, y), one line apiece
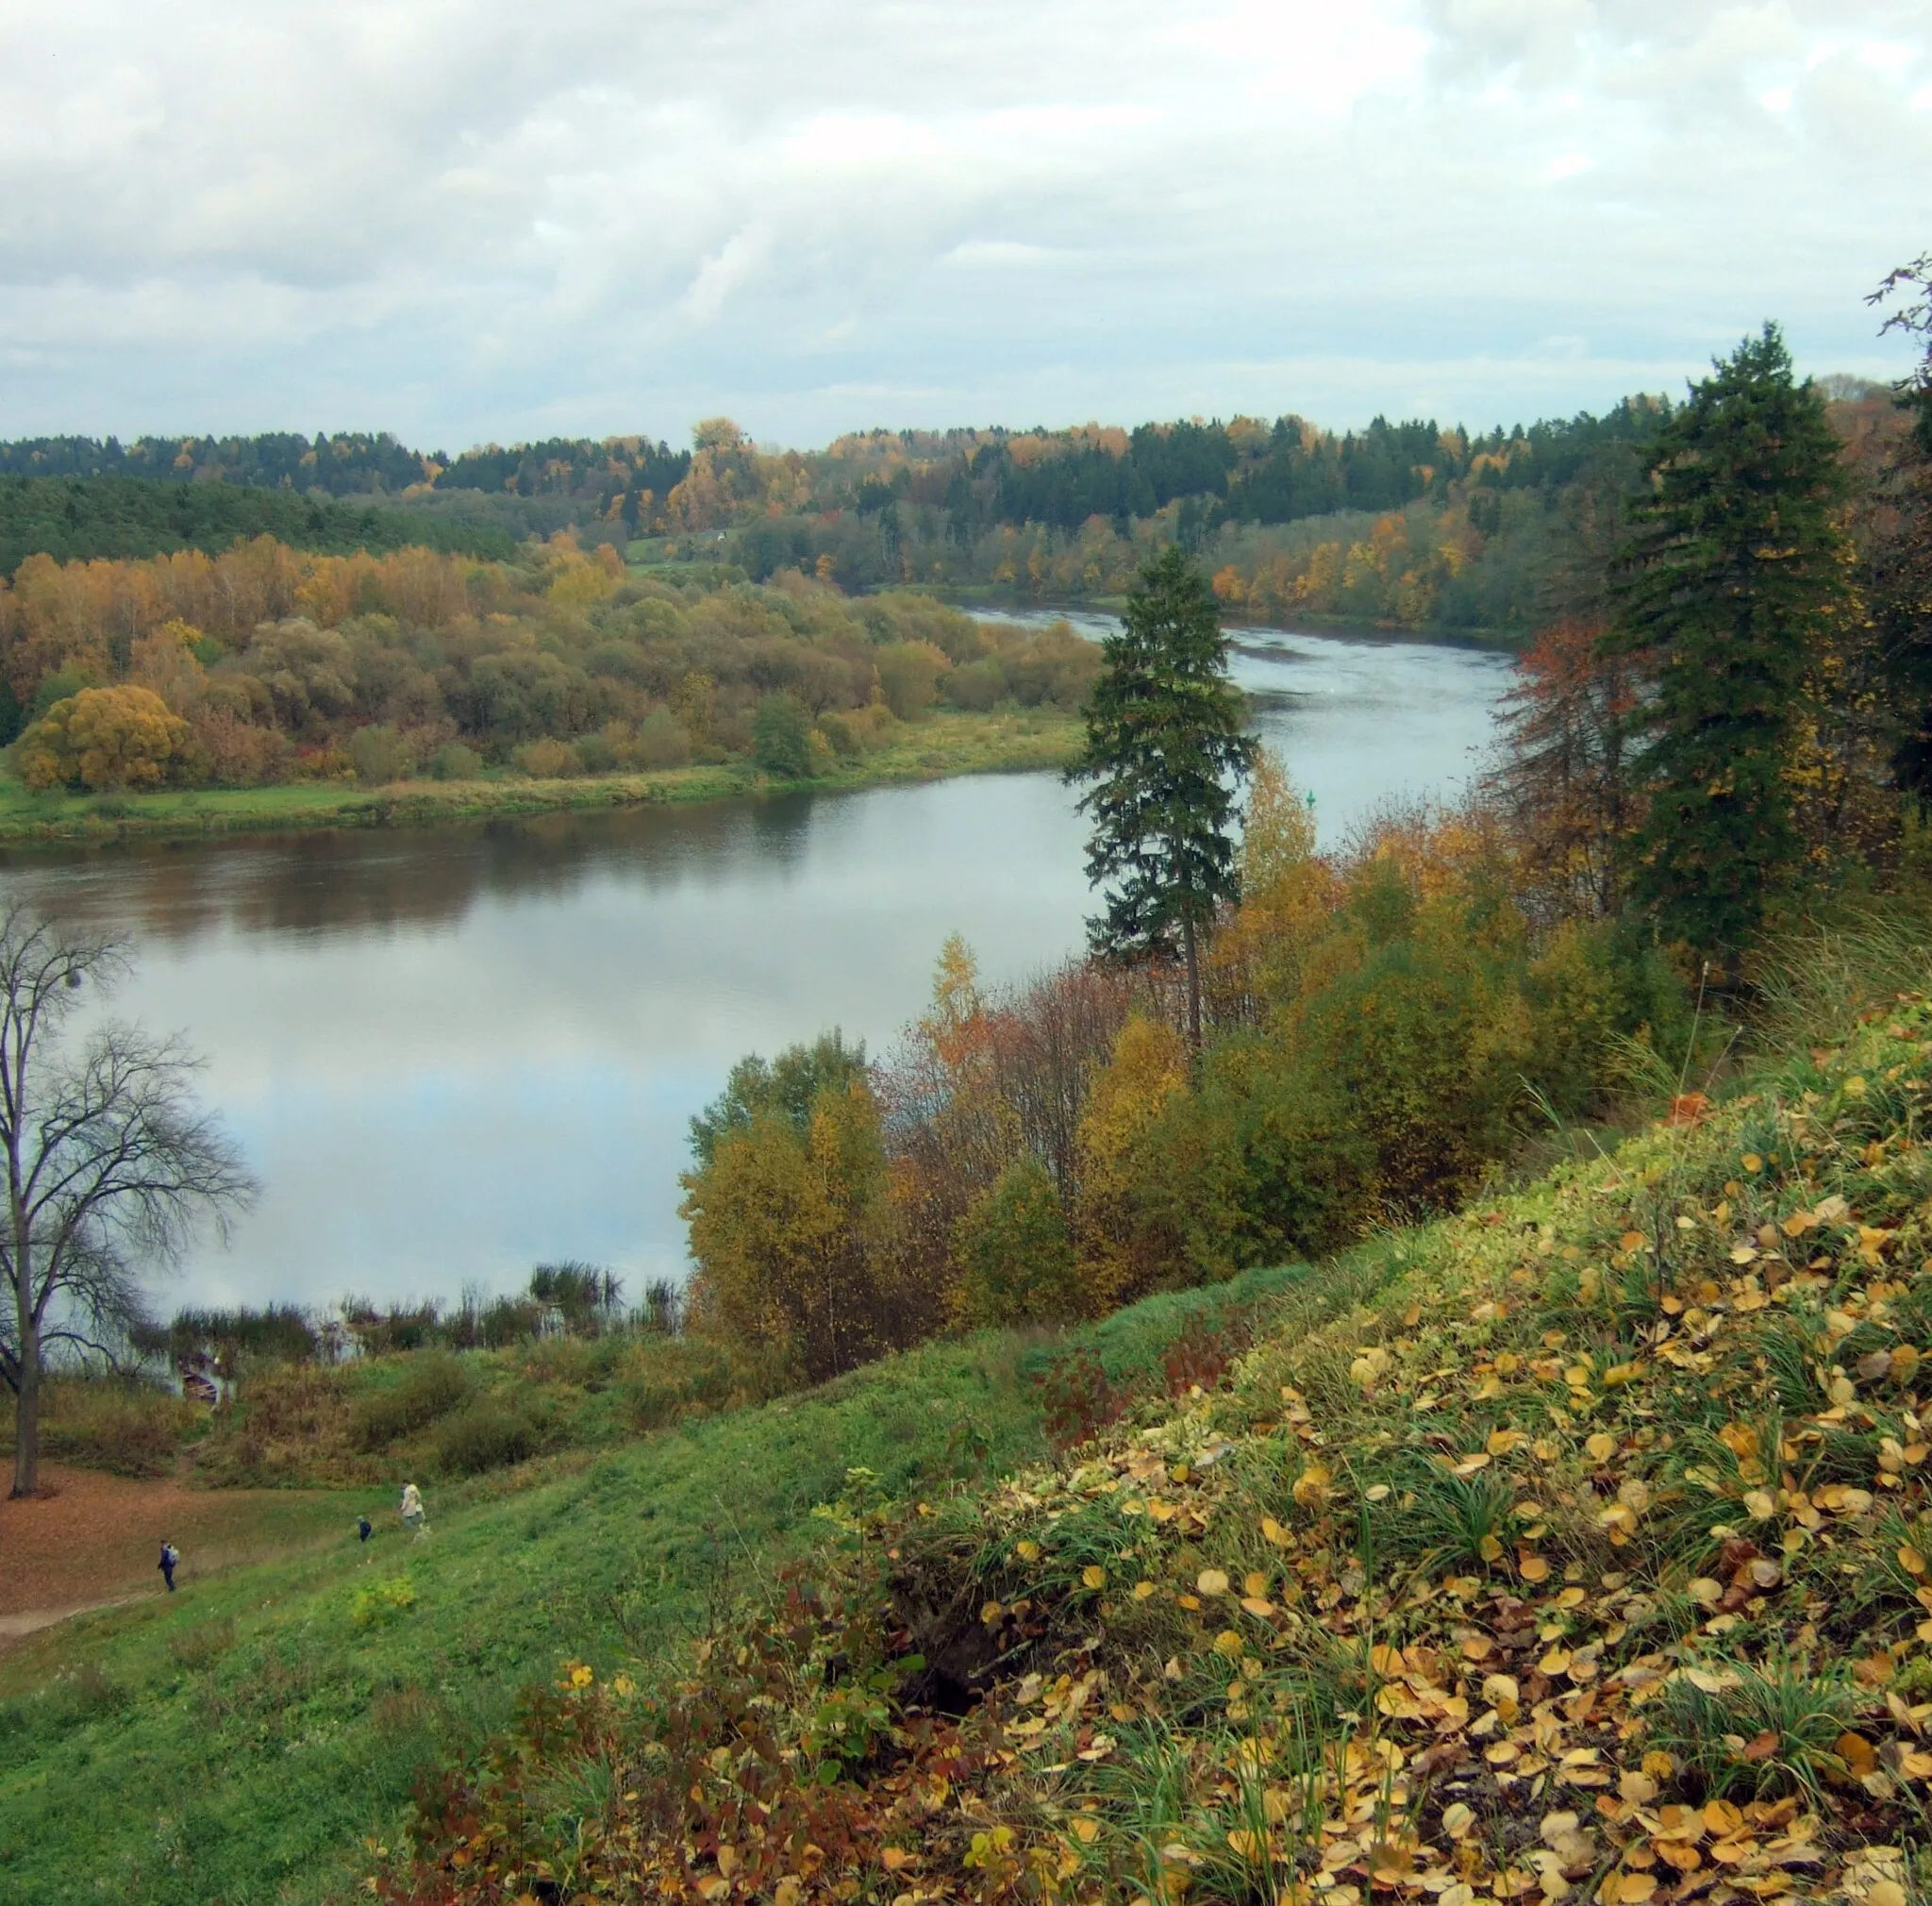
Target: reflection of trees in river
point(350, 880)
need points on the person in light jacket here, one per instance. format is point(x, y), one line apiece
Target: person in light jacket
point(415, 1519)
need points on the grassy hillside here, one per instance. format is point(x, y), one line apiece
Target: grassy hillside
point(241, 1740)
point(1573, 1547)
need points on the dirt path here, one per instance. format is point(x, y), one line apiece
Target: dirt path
point(88, 1539)
point(31, 1620)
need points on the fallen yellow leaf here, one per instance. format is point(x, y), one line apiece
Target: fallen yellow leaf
point(1858, 1753)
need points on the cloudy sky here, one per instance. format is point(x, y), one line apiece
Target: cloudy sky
point(464, 220)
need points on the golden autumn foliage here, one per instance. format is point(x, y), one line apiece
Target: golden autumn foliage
point(104, 738)
point(791, 1224)
point(1118, 1259)
point(562, 663)
point(165, 660)
point(1288, 894)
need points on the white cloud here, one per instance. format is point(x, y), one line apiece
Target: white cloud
point(469, 219)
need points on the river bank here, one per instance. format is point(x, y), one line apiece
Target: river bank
point(943, 744)
point(994, 602)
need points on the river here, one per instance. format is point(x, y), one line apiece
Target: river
point(451, 1053)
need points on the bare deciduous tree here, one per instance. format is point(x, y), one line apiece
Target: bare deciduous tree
point(111, 1166)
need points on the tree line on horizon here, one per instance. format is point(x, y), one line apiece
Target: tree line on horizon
point(1401, 523)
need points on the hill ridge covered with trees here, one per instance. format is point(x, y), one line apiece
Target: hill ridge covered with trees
point(1408, 524)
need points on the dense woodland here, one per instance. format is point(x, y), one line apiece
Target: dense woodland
point(1406, 524)
point(80, 519)
point(265, 663)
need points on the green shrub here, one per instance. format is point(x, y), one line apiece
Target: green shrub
point(978, 685)
point(1427, 1041)
point(489, 1434)
point(1014, 1258)
point(1264, 1162)
point(840, 737)
point(377, 1604)
point(1591, 990)
point(548, 759)
point(782, 737)
point(596, 753)
point(453, 761)
point(661, 741)
point(379, 754)
point(432, 1384)
point(909, 678)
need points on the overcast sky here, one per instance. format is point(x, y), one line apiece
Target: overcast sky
point(464, 220)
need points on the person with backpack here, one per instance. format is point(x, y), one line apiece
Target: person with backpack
point(170, 1561)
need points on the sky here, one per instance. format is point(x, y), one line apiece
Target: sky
point(468, 221)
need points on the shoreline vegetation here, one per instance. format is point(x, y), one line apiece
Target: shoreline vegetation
point(996, 599)
point(945, 744)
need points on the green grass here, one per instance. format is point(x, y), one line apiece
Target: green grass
point(1005, 740)
point(239, 1741)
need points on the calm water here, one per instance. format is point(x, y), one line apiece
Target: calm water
point(451, 1053)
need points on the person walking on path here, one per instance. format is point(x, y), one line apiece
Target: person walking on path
point(415, 1519)
point(170, 1561)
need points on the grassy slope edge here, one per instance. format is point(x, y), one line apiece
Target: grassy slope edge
point(1576, 1548)
point(237, 1741)
point(944, 744)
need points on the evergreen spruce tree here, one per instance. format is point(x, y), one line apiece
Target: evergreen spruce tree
point(1165, 751)
point(1731, 572)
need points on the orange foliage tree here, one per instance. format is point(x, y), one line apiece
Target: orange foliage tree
point(104, 738)
point(1568, 782)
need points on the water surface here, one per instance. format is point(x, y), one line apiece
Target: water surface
point(452, 1052)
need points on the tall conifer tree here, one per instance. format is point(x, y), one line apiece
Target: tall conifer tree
point(1166, 751)
point(1732, 571)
